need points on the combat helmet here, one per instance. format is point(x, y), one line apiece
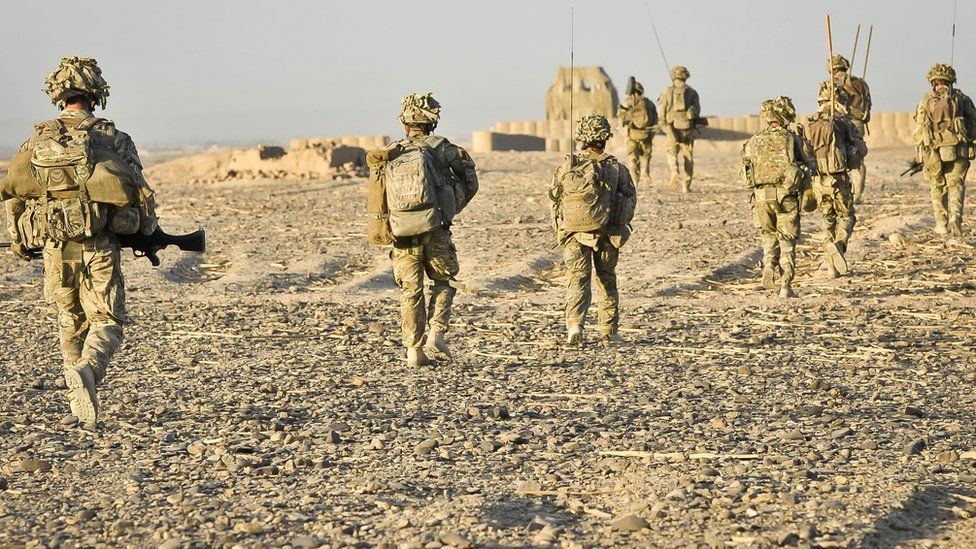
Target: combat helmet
point(839, 62)
point(420, 109)
point(941, 71)
point(593, 128)
point(76, 76)
point(679, 72)
point(780, 110)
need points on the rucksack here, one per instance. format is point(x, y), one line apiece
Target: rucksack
point(773, 158)
point(414, 183)
point(831, 156)
point(586, 201)
point(640, 118)
point(62, 161)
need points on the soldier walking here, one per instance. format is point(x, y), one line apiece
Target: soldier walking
point(593, 201)
point(426, 181)
point(857, 102)
point(945, 131)
point(776, 162)
point(838, 148)
point(638, 116)
point(55, 207)
point(680, 109)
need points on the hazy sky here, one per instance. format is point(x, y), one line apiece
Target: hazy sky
point(198, 71)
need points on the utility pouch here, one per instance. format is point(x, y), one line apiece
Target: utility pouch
point(72, 264)
point(67, 219)
point(948, 153)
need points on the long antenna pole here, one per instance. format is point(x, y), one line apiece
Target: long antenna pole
point(830, 69)
point(952, 52)
point(572, 78)
point(867, 54)
point(857, 34)
point(667, 65)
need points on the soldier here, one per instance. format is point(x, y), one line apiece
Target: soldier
point(857, 101)
point(593, 199)
point(679, 109)
point(839, 148)
point(775, 163)
point(428, 180)
point(82, 261)
point(945, 130)
point(638, 116)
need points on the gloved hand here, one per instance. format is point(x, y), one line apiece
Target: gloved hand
point(21, 251)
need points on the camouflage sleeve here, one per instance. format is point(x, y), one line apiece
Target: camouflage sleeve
point(126, 149)
point(969, 116)
point(651, 112)
point(464, 169)
point(623, 113)
point(664, 103)
point(14, 208)
point(867, 101)
point(694, 108)
point(625, 184)
point(804, 153)
point(922, 135)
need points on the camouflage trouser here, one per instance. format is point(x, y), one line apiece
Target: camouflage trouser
point(639, 153)
point(779, 225)
point(432, 254)
point(836, 204)
point(581, 261)
point(860, 174)
point(948, 182)
point(680, 147)
point(84, 281)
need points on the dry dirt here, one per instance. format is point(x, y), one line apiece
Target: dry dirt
point(260, 398)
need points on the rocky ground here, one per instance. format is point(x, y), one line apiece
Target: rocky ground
point(260, 398)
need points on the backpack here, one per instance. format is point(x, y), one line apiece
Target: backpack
point(823, 135)
point(414, 183)
point(773, 158)
point(62, 161)
point(586, 202)
point(640, 118)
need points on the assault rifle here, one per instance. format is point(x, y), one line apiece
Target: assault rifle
point(914, 167)
point(149, 246)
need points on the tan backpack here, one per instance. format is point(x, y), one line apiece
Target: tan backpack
point(772, 159)
point(823, 135)
point(586, 201)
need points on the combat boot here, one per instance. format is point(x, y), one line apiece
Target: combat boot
point(835, 256)
point(686, 187)
point(416, 357)
point(81, 394)
point(769, 277)
point(827, 270)
point(612, 338)
point(574, 335)
point(940, 227)
point(954, 226)
point(786, 290)
point(437, 348)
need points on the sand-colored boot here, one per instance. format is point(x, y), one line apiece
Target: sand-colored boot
point(437, 348)
point(81, 394)
point(786, 290)
point(835, 256)
point(769, 277)
point(417, 357)
point(574, 335)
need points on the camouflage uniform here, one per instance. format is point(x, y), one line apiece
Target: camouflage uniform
point(584, 252)
point(832, 183)
point(640, 131)
point(83, 277)
point(857, 102)
point(775, 206)
point(431, 254)
point(679, 108)
point(945, 130)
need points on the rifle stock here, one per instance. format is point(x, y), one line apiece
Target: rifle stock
point(914, 167)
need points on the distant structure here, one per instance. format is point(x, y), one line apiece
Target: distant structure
point(593, 93)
